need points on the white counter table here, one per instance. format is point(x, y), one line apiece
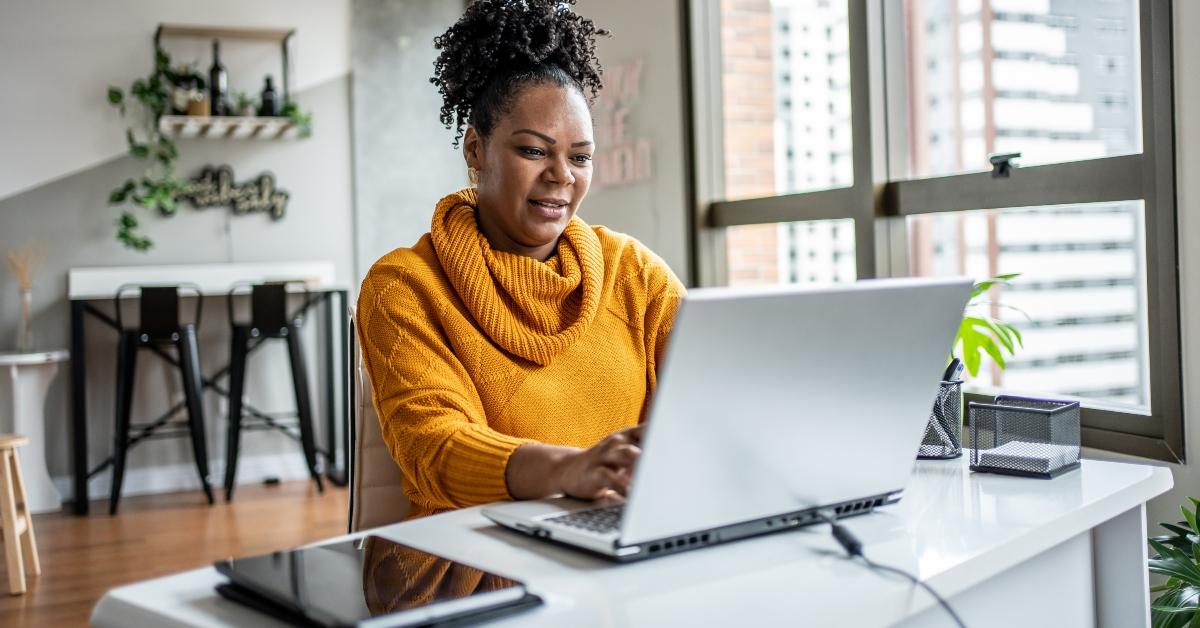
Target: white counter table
point(1005, 551)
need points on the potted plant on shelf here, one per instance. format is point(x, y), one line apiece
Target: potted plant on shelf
point(301, 119)
point(245, 104)
point(1177, 558)
point(187, 85)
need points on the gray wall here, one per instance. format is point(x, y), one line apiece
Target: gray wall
point(404, 161)
point(653, 210)
point(71, 220)
point(403, 158)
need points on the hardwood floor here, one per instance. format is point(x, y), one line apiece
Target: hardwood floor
point(154, 535)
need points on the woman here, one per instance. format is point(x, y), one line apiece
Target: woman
point(513, 348)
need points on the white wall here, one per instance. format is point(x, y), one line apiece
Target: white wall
point(57, 58)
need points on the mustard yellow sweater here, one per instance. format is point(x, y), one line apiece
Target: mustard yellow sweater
point(474, 352)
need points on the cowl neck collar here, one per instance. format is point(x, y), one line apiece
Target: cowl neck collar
point(532, 309)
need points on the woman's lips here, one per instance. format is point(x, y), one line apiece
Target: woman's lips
point(549, 210)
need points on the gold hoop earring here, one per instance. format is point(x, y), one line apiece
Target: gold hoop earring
point(473, 176)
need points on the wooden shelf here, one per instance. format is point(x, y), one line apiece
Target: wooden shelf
point(223, 32)
point(282, 36)
point(228, 127)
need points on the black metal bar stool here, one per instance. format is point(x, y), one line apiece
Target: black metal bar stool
point(159, 325)
point(269, 318)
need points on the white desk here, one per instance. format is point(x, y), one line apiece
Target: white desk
point(1006, 551)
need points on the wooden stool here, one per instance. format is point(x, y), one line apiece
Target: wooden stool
point(15, 526)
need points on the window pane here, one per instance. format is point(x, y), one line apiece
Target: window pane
point(785, 84)
point(1056, 80)
point(1082, 291)
point(809, 252)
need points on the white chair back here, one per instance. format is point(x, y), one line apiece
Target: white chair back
point(376, 486)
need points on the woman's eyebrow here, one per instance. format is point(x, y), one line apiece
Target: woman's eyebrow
point(550, 140)
point(546, 138)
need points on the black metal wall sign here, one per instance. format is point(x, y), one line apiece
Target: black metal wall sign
point(214, 187)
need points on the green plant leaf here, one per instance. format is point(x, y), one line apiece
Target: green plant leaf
point(1016, 333)
point(119, 195)
point(1178, 528)
point(994, 351)
point(127, 234)
point(1175, 563)
point(162, 61)
point(115, 96)
point(999, 332)
point(1190, 516)
point(1175, 608)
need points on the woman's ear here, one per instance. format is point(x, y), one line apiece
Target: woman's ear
point(473, 148)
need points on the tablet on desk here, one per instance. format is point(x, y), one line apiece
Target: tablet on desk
point(370, 581)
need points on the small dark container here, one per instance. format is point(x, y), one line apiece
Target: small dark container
point(943, 431)
point(269, 100)
point(1024, 436)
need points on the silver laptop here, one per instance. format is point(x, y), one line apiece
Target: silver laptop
point(775, 406)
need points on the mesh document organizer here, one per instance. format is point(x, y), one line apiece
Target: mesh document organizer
point(943, 432)
point(1025, 436)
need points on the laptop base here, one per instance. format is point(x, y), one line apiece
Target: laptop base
point(724, 534)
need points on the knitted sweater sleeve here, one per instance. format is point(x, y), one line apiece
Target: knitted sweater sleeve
point(664, 293)
point(430, 414)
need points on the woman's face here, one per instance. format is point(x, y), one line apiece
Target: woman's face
point(534, 169)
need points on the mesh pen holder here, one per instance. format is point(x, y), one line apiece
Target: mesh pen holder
point(943, 431)
point(1025, 436)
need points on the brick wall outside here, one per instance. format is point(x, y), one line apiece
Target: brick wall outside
point(748, 102)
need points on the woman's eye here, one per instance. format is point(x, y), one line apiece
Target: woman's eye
point(582, 159)
point(532, 152)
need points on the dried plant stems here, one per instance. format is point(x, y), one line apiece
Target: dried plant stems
point(23, 262)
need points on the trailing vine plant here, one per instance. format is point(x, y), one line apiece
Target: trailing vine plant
point(156, 188)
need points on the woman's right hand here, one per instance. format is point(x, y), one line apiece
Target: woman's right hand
point(537, 470)
point(607, 466)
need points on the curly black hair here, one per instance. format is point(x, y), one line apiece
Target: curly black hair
point(500, 46)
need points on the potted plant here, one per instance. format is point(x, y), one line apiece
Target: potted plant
point(1177, 558)
point(302, 119)
point(186, 85)
point(245, 104)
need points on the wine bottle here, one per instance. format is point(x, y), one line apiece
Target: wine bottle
point(270, 100)
point(218, 82)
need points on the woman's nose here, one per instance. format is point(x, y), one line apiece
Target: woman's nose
point(559, 171)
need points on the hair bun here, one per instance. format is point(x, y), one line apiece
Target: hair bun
point(498, 39)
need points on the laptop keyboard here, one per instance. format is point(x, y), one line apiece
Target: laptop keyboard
point(600, 520)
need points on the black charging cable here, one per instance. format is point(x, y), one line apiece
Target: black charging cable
point(854, 548)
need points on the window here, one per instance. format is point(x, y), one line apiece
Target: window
point(894, 180)
point(756, 128)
